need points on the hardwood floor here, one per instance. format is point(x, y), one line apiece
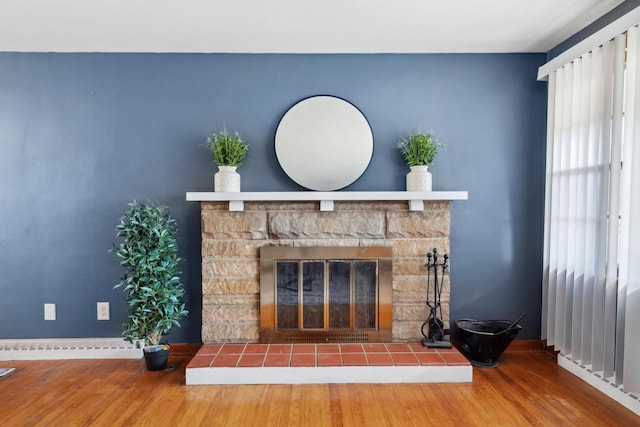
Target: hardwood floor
point(528, 388)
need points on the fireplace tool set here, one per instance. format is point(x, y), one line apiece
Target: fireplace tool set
point(434, 338)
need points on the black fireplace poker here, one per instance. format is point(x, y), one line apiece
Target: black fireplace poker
point(434, 338)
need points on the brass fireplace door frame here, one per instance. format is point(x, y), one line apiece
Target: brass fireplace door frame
point(269, 333)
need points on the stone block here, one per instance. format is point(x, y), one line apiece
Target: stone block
point(225, 286)
point(420, 247)
point(446, 287)
point(410, 312)
point(410, 267)
point(240, 299)
point(425, 224)
point(436, 205)
point(214, 206)
point(234, 225)
point(410, 284)
point(231, 332)
point(229, 268)
point(407, 331)
point(409, 297)
point(376, 242)
point(236, 248)
point(418, 312)
point(411, 331)
point(448, 323)
point(308, 243)
point(282, 206)
point(371, 206)
point(326, 225)
point(231, 313)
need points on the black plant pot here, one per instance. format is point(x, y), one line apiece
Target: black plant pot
point(157, 360)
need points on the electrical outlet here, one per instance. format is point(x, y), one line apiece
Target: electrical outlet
point(49, 312)
point(103, 311)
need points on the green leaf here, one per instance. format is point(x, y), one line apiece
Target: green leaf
point(226, 149)
point(419, 149)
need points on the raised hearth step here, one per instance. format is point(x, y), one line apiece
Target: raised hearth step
point(240, 363)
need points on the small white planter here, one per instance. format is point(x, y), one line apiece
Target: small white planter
point(419, 179)
point(226, 180)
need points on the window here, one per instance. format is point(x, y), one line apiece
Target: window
point(591, 287)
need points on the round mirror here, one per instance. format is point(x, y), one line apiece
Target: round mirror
point(324, 143)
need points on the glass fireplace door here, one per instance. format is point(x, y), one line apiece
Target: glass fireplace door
point(326, 294)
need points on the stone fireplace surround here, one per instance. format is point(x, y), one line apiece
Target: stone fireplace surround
point(231, 241)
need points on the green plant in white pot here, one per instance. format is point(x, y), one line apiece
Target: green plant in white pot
point(228, 151)
point(419, 151)
point(151, 284)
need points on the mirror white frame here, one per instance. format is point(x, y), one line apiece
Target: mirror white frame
point(324, 143)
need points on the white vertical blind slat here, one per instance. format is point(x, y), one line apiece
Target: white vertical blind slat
point(561, 331)
point(590, 202)
point(630, 215)
point(604, 158)
point(555, 212)
point(623, 243)
point(611, 286)
point(571, 210)
point(546, 308)
point(580, 177)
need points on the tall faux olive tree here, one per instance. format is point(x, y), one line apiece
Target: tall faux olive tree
point(152, 288)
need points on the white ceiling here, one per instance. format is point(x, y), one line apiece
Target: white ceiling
point(293, 26)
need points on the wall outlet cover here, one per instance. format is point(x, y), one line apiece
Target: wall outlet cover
point(103, 311)
point(49, 312)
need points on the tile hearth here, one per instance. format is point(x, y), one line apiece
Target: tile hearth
point(240, 363)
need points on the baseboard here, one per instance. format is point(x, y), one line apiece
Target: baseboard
point(550, 350)
point(628, 400)
point(68, 348)
point(517, 345)
point(184, 349)
point(525, 345)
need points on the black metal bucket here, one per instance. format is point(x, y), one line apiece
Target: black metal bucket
point(484, 341)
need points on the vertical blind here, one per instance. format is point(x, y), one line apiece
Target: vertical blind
point(591, 278)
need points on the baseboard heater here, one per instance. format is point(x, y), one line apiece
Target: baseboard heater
point(616, 392)
point(68, 348)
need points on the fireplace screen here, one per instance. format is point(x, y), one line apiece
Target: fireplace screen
point(325, 294)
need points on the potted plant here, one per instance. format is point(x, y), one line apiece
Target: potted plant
point(419, 151)
point(152, 288)
point(228, 151)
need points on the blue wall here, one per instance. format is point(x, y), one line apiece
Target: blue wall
point(84, 134)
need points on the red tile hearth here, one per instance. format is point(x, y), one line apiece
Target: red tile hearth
point(324, 363)
point(320, 355)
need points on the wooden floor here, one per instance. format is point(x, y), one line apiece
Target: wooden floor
point(528, 388)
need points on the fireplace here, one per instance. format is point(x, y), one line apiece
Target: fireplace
point(325, 294)
point(232, 241)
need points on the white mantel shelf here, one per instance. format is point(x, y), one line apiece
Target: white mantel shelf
point(415, 199)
